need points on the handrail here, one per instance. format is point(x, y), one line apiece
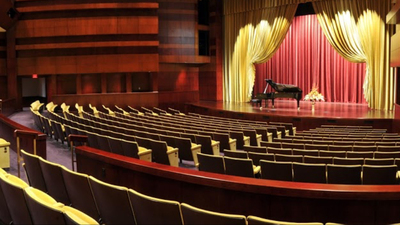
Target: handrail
point(75, 138)
point(30, 135)
point(280, 200)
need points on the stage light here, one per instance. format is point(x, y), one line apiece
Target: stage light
point(34, 76)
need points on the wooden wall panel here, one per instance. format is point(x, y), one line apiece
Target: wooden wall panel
point(146, 99)
point(3, 54)
point(91, 83)
point(115, 83)
point(178, 32)
point(3, 87)
point(176, 77)
point(66, 84)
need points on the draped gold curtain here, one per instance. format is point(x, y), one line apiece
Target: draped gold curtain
point(357, 30)
point(254, 30)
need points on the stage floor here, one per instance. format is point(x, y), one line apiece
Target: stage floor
point(289, 108)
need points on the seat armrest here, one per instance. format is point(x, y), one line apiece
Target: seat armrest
point(232, 144)
point(256, 169)
point(144, 154)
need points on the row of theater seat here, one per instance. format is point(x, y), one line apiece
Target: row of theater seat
point(22, 204)
point(112, 204)
point(288, 170)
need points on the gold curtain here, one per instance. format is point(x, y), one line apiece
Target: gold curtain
point(254, 30)
point(357, 30)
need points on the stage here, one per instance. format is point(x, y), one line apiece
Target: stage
point(303, 118)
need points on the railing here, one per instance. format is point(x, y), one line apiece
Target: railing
point(26, 136)
point(280, 200)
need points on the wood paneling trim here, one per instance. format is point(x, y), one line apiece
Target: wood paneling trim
point(68, 46)
point(7, 128)
point(84, 6)
point(88, 13)
point(28, 3)
point(86, 38)
point(87, 51)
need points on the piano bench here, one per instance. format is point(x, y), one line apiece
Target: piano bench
point(256, 101)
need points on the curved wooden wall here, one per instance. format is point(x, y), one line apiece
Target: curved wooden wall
point(280, 200)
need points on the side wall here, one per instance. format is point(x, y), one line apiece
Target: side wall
point(94, 51)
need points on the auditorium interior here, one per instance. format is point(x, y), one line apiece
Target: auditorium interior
point(281, 112)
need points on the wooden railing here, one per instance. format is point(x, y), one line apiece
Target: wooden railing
point(7, 106)
point(26, 135)
point(280, 200)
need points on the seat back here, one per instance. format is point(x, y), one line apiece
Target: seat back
point(305, 172)
point(5, 216)
point(276, 170)
point(383, 161)
point(211, 163)
point(385, 155)
point(52, 174)
point(184, 145)
point(33, 171)
point(159, 152)
point(379, 174)
point(318, 160)
point(103, 143)
point(129, 148)
point(113, 202)
point(149, 210)
point(144, 142)
point(248, 148)
point(193, 215)
point(256, 157)
point(348, 161)
point(76, 217)
point(253, 136)
point(80, 192)
point(254, 220)
point(239, 136)
point(344, 174)
point(223, 140)
point(115, 145)
point(205, 142)
point(13, 190)
point(44, 209)
point(236, 154)
point(92, 140)
point(239, 167)
point(288, 158)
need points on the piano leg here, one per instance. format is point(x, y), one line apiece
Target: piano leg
point(298, 104)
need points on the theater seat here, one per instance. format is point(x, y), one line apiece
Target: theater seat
point(33, 170)
point(211, 163)
point(240, 167)
point(52, 174)
point(80, 192)
point(193, 215)
point(254, 220)
point(113, 202)
point(13, 189)
point(149, 210)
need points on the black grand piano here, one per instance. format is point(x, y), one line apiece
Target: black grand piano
point(281, 91)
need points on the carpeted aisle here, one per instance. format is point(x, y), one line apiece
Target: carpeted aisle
point(56, 152)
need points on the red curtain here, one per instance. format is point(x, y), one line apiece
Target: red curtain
point(306, 59)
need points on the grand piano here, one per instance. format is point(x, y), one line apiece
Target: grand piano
point(281, 91)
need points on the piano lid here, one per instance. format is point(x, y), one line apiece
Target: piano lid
point(283, 87)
